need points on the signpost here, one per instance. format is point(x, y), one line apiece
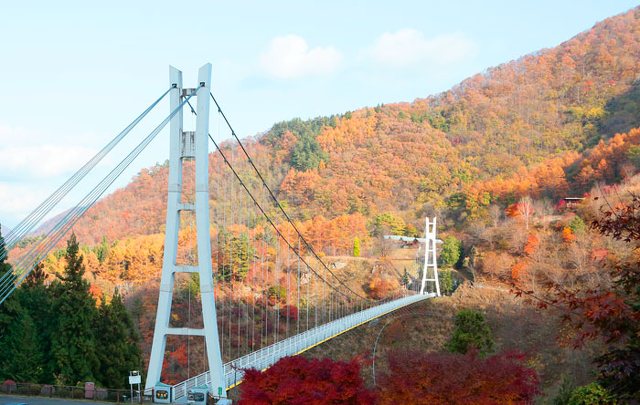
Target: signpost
point(134, 378)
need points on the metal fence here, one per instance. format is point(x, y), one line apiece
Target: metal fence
point(65, 392)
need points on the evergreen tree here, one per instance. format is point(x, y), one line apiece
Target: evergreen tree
point(451, 251)
point(4, 267)
point(36, 298)
point(446, 281)
point(356, 247)
point(73, 344)
point(234, 256)
point(118, 341)
point(470, 331)
point(20, 351)
point(405, 278)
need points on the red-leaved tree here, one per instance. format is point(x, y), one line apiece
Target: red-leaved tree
point(609, 311)
point(447, 378)
point(297, 380)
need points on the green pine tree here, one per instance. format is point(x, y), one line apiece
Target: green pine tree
point(4, 267)
point(37, 299)
point(446, 281)
point(118, 341)
point(20, 352)
point(470, 331)
point(451, 251)
point(356, 247)
point(73, 344)
point(405, 278)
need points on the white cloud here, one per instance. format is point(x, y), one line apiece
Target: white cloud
point(289, 57)
point(24, 154)
point(17, 200)
point(409, 47)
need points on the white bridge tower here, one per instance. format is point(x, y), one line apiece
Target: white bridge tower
point(430, 268)
point(430, 258)
point(187, 145)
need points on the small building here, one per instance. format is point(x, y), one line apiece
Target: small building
point(572, 203)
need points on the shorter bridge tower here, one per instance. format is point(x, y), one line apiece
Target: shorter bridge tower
point(430, 268)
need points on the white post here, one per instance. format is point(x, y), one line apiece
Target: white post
point(430, 258)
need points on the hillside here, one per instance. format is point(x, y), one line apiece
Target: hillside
point(410, 158)
point(494, 159)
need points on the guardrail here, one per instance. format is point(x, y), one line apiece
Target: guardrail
point(267, 356)
point(68, 392)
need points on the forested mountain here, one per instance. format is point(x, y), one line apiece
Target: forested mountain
point(409, 158)
point(492, 158)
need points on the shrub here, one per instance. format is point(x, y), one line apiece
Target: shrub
point(591, 394)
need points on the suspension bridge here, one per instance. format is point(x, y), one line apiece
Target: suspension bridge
point(263, 291)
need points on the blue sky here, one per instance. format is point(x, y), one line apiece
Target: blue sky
point(74, 73)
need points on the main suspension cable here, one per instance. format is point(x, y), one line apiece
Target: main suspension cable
point(269, 220)
point(277, 202)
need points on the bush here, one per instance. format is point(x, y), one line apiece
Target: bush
point(591, 394)
point(379, 287)
point(577, 225)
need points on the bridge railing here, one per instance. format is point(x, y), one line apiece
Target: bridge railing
point(267, 356)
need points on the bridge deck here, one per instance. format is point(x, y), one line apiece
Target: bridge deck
point(267, 356)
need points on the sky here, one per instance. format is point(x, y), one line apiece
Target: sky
point(75, 73)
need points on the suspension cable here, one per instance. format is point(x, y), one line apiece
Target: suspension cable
point(237, 176)
point(27, 224)
point(277, 202)
point(27, 262)
point(269, 220)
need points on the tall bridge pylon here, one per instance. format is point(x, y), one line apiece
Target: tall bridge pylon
point(187, 145)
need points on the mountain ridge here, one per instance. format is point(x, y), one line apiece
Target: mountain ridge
point(410, 158)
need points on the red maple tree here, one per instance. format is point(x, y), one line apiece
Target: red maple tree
point(448, 378)
point(297, 380)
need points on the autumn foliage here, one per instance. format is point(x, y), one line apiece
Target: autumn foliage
point(297, 381)
point(381, 287)
point(443, 378)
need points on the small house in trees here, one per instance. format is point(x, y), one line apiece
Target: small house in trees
point(571, 203)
